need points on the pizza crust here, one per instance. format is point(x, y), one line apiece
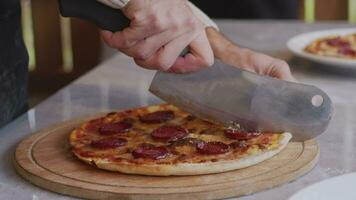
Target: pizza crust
point(181, 169)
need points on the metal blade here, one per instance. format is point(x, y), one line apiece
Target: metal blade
point(258, 103)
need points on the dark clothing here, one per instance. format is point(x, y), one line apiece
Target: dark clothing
point(13, 62)
point(250, 9)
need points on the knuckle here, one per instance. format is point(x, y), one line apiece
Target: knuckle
point(111, 44)
point(126, 41)
point(209, 61)
point(109, 41)
point(176, 27)
point(282, 64)
point(190, 22)
point(176, 24)
point(142, 64)
point(134, 9)
point(193, 24)
point(139, 62)
point(115, 42)
point(123, 44)
point(163, 64)
point(135, 16)
point(199, 25)
point(141, 54)
point(157, 23)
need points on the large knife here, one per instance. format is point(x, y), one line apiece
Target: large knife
point(224, 93)
point(233, 96)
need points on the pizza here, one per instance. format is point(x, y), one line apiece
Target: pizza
point(163, 140)
point(334, 46)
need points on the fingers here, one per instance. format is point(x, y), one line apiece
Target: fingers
point(281, 70)
point(200, 56)
point(167, 55)
point(128, 37)
point(146, 48)
point(265, 65)
point(144, 22)
point(158, 32)
point(252, 61)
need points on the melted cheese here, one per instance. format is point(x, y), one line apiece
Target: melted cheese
point(140, 133)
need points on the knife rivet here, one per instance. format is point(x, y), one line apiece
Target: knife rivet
point(317, 100)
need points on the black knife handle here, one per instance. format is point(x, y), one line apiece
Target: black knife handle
point(103, 16)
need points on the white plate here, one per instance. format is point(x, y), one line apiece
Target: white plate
point(340, 187)
point(299, 42)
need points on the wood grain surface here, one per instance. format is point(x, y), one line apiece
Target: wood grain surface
point(45, 160)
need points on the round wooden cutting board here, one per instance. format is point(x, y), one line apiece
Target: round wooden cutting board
point(45, 160)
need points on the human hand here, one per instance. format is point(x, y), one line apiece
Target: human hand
point(261, 64)
point(158, 33)
point(249, 60)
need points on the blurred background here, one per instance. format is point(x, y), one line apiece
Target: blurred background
point(63, 49)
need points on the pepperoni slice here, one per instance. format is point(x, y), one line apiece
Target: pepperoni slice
point(212, 148)
point(347, 51)
point(109, 143)
point(238, 135)
point(169, 133)
point(337, 42)
point(115, 128)
point(94, 124)
point(150, 152)
point(157, 117)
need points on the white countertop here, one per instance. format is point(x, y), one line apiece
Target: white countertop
point(119, 84)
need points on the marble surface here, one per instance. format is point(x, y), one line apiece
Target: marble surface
point(118, 84)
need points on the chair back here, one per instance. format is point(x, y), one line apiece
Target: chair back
point(329, 10)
